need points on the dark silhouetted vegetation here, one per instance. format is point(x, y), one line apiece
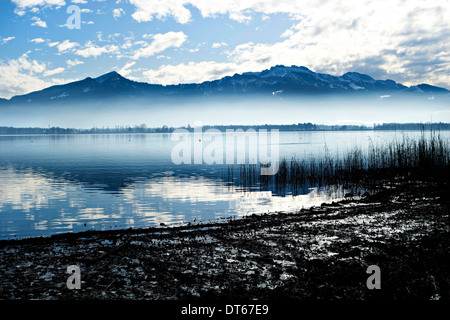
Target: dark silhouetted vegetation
point(166, 129)
point(426, 156)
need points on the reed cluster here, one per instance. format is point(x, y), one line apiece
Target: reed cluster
point(427, 156)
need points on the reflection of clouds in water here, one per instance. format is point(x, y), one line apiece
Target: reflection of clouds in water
point(28, 190)
point(257, 203)
point(41, 225)
point(177, 189)
point(50, 206)
point(57, 206)
point(92, 214)
point(204, 191)
point(74, 202)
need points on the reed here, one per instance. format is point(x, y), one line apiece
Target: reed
point(427, 156)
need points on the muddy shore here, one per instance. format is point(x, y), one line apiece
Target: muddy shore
point(319, 253)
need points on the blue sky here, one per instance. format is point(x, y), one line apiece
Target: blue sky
point(178, 41)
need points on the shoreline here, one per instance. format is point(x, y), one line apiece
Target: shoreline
point(317, 253)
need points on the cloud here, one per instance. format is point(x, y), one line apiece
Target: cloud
point(160, 43)
point(19, 76)
point(92, 50)
point(5, 40)
point(66, 45)
point(23, 75)
point(238, 10)
point(147, 9)
point(72, 63)
point(34, 3)
point(38, 22)
point(219, 44)
point(190, 73)
point(37, 40)
point(126, 68)
point(19, 12)
point(53, 72)
point(32, 66)
point(117, 13)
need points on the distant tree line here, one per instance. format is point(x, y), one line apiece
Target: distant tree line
point(165, 129)
point(57, 130)
point(413, 126)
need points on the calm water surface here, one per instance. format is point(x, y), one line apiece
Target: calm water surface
point(53, 184)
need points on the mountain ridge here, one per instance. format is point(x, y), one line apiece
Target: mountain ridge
point(278, 80)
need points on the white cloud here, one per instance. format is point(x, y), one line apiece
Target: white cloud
point(190, 73)
point(79, 1)
point(19, 12)
point(147, 9)
point(117, 13)
point(5, 40)
point(24, 75)
point(32, 66)
point(37, 40)
point(66, 45)
point(238, 10)
point(219, 44)
point(160, 43)
point(126, 68)
point(34, 3)
point(92, 50)
point(239, 17)
point(72, 63)
point(19, 76)
point(53, 72)
point(38, 22)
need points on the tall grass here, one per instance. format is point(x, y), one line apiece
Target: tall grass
point(426, 156)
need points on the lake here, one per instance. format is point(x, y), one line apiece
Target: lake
point(52, 184)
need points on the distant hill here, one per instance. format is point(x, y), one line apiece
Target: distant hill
point(276, 81)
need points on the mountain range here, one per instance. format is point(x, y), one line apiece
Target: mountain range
point(277, 81)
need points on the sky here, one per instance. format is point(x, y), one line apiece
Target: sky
point(186, 41)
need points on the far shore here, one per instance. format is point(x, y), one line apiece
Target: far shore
point(299, 127)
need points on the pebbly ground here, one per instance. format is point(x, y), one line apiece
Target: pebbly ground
point(319, 253)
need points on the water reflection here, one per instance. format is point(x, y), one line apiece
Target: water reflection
point(32, 204)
